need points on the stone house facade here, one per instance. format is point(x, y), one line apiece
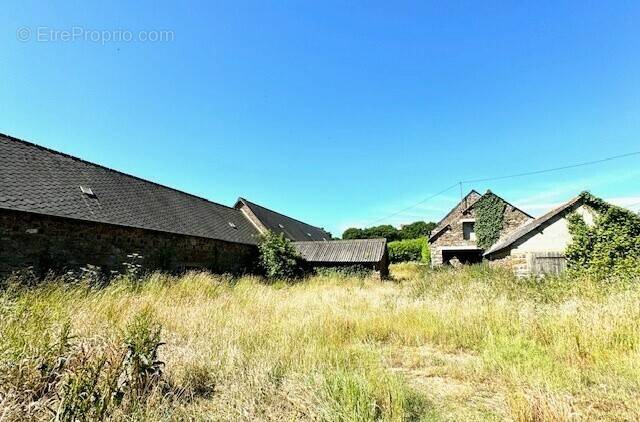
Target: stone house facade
point(454, 241)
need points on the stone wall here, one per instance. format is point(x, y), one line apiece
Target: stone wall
point(512, 219)
point(512, 260)
point(527, 263)
point(43, 242)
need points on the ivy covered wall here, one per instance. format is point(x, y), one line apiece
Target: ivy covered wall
point(609, 247)
point(489, 212)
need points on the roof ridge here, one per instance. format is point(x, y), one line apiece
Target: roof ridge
point(530, 225)
point(490, 192)
point(280, 214)
point(380, 239)
point(73, 157)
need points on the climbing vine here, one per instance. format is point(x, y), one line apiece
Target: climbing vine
point(489, 219)
point(608, 247)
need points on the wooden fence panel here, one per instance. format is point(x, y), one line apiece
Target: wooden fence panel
point(547, 262)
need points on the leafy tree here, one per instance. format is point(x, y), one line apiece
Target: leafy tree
point(410, 231)
point(416, 230)
point(386, 230)
point(353, 233)
point(279, 258)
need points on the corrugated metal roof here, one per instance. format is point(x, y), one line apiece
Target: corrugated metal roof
point(39, 180)
point(293, 229)
point(354, 251)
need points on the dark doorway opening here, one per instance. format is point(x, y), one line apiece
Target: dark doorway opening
point(464, 256)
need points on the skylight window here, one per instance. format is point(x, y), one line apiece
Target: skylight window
point(309, 234)
point(281, 226)
point(87, 191)
point(232, 225)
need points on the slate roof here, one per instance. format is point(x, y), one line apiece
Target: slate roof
point(39, 180)
point(293, 229)
point(343, 251)
point(532, 225)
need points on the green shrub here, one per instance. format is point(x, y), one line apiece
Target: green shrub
point(279, 258)
point(426, 252)
point(609, 247)
point(409, 250)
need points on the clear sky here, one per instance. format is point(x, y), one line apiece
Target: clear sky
point(337, 113)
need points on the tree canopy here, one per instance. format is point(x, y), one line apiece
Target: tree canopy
point(409, 231)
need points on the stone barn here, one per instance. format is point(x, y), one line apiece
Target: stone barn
point(60, 212)
point(454, 239)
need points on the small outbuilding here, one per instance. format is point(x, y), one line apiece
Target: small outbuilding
point(367, 253)
point(538, 247)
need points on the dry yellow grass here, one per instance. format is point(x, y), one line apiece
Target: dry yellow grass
point(472, 344)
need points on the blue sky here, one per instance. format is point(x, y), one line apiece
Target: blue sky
point(337, 113)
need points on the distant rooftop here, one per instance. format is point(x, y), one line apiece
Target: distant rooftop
point(276, 222)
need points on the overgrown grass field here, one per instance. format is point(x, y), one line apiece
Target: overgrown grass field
point(467, 344)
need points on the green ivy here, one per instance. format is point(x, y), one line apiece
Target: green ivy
point(489, 219)
point(609, 247)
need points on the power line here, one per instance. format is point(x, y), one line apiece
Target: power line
point(416, 204)
point(530, 173)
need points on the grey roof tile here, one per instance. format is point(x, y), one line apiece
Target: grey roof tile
point(293, 229)
point(40, 180)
